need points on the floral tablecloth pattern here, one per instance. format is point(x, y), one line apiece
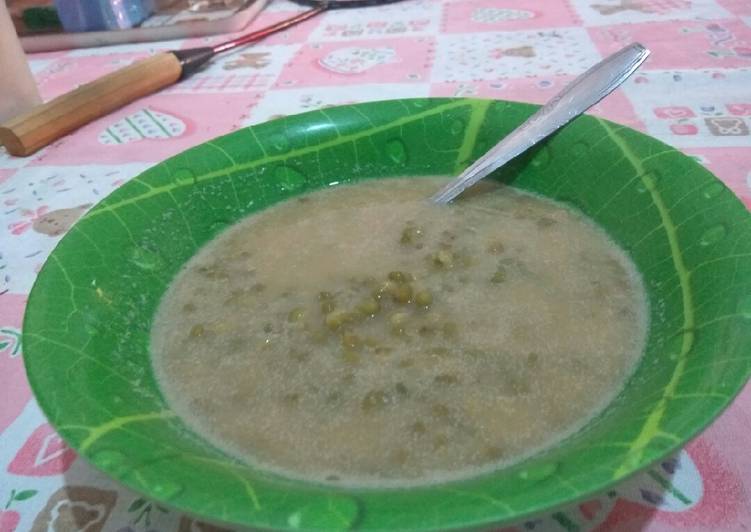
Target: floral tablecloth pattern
point(694, 93)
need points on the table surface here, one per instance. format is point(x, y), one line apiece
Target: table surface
point(694, 93)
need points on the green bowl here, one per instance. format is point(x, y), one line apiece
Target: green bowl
point(86, 330)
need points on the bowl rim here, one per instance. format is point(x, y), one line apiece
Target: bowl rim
point(709, 412)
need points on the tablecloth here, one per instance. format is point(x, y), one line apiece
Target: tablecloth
point(694, 93)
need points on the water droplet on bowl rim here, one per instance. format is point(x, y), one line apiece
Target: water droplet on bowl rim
point(145, 258)
point(218, 225)
point(571, 202)
point(580, 149)
point(538, 471)
point(482, 144)
point(541, 158)
point(294, 520)
point(744, 307)
point(279, 142)
point(91, 323)
point(165, 489)
point(713, 190)
point(397, 151)
point(111, 461)
point(289, 179)
point(183, 175)
point(456, 126)
point(647, 182)
point(632, 461)
point(713, 235)
point(673, 347)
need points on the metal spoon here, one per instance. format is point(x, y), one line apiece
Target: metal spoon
point(575, 98)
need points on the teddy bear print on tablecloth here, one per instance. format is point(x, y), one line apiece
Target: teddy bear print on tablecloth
point(687, 108)
point(717, 120)
point(76, 508)
point(241, 72)
point(603, 12)
point(46, 222)
point(513, 55)
point(682, 45)
point(417, 18)
point(255, 60)
point(35, 226)
point(39, 207)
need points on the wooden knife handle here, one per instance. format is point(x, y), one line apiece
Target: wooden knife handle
point(27, 133)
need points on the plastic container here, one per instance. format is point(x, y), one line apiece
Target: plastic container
point(93, 15)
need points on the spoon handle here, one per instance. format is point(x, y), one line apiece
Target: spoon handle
point(575, 98)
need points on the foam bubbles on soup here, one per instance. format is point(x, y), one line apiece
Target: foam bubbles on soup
point(363, 336)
